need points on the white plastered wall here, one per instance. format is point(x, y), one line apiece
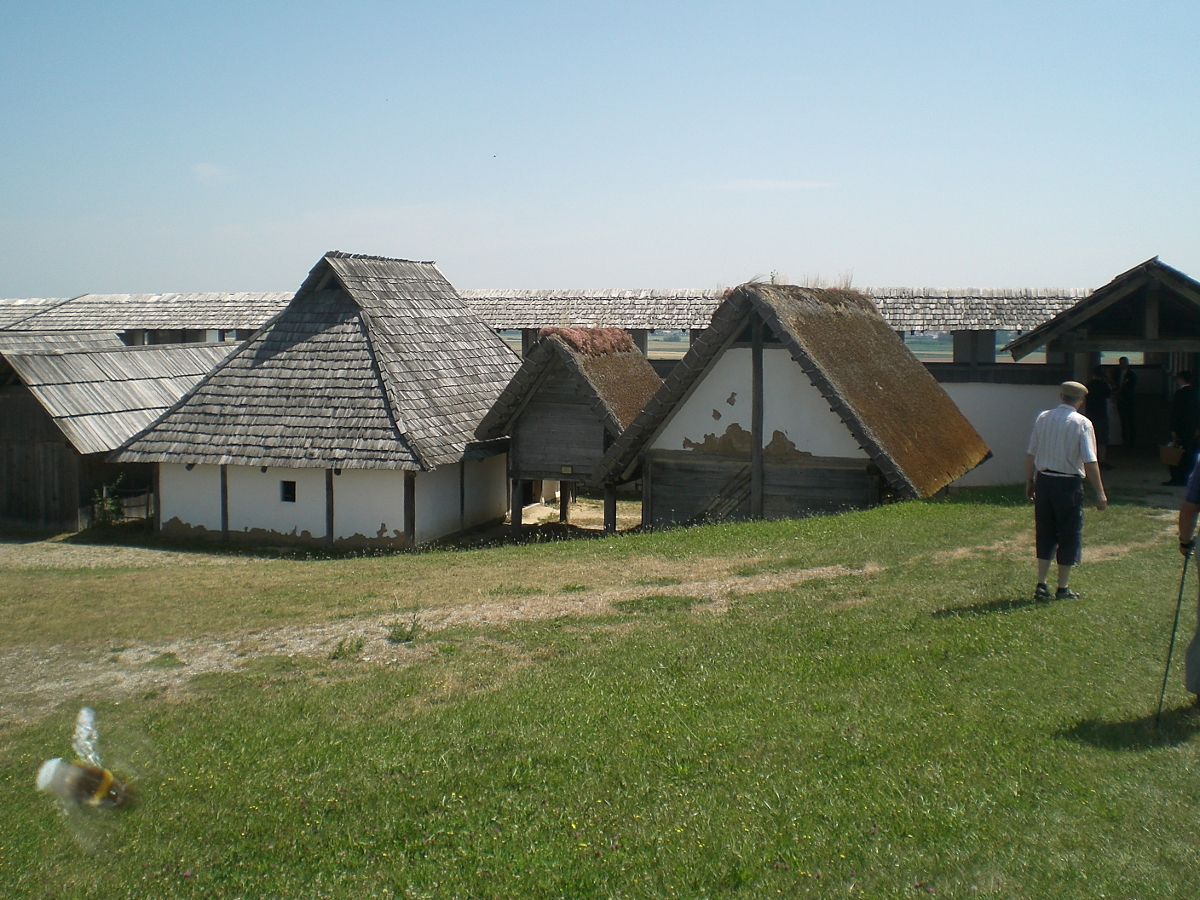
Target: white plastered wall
point(437, 503)
point(368, 502)
point(254, 500)
point(1003, 414)
point(791, 404)
point(194, 498)
point(487, 489)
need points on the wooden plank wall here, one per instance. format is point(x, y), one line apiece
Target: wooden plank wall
point(556, 428)
point(682, 484)
point(39, 469)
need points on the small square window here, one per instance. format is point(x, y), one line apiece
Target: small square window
point(287, 491)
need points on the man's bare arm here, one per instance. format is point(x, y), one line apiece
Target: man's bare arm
point(1092, 471)
point(1187, 525)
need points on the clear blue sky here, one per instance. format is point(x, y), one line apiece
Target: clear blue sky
point(226, 146)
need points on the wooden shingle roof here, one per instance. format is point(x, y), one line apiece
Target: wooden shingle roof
point(190, 311)
point(14, 310)
point(376, 363)
point(893, 407)
point(100, 398)
point(36, 341)
point(615, 375)
point(904, 309)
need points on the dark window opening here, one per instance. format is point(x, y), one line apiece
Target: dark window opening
point(287, 491)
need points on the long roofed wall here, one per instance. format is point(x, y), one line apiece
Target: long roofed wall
point(153, 312)
point(904, 309)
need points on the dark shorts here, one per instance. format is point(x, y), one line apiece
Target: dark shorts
point(1058, 514)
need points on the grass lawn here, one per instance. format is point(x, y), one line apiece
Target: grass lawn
point(865, 705)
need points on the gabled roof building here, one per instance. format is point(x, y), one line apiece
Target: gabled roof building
point(63, 410)
point(350, 418)
point(575, 393)
point(794, 401)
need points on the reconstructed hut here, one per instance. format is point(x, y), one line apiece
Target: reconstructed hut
point(794, 401)
point(349, 420)
point(65, 403)
point(575, 393)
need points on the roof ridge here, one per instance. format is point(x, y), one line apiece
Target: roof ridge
point(341, 254)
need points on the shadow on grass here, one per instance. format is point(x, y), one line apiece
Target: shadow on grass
point(1175, 727)
point(989, 607)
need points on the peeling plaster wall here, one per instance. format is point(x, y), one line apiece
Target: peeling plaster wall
point(194, 498)
point(791, 405)
point(254, 500)
point(368, 501)
point(487, 490)
point(1003, 415)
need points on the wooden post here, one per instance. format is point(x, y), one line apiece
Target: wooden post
point(224, 504)
point(1151, 330)
point(410, 509)
point(641, 339)
point(518, 502)
point(564, 502)
point(529, 337)
point(329, 507)
point(647, 496)
point(610, 508)
point(756, 418)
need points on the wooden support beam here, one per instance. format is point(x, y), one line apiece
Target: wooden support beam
point(641, 339)
point(756, 418)
point(410, 509)
point(1152, 295)
point(329, 507)
point(1095, 345)
point(564, 502)
point(462, 495)
point(518, 503)
point(610, 508)
point(529, 337)
point(647, 497)
point(224, 504)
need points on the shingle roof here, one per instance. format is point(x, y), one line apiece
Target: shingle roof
point(893, 407)
point(376, 363)
point(618, 378)
point(100, 398)
point(13, 310)
point(1101, 298)
point(907, 309)
point(192, 311)
point(35, 341)
point(971, 309)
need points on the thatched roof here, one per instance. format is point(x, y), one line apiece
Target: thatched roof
point(376, 363)
point(893, 407)
point(197, 311)
point(904, 309)
point(100, 398)
point(612, 371)
point(1180, 291)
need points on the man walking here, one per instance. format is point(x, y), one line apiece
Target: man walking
point(1062, 451)
point(1185, 427)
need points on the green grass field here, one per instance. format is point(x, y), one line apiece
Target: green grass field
point(910, 723)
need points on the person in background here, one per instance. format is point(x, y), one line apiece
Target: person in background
point(1062, 451)
point(1096, 409)
point(1185, 428)
point(1126, 389)
point(1189, 509)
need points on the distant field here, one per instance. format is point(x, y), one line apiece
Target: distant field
point(860, 705)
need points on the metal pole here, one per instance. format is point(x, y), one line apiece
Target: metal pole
point(1171, 646)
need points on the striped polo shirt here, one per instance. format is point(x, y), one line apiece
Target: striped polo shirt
point(1062, 441)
